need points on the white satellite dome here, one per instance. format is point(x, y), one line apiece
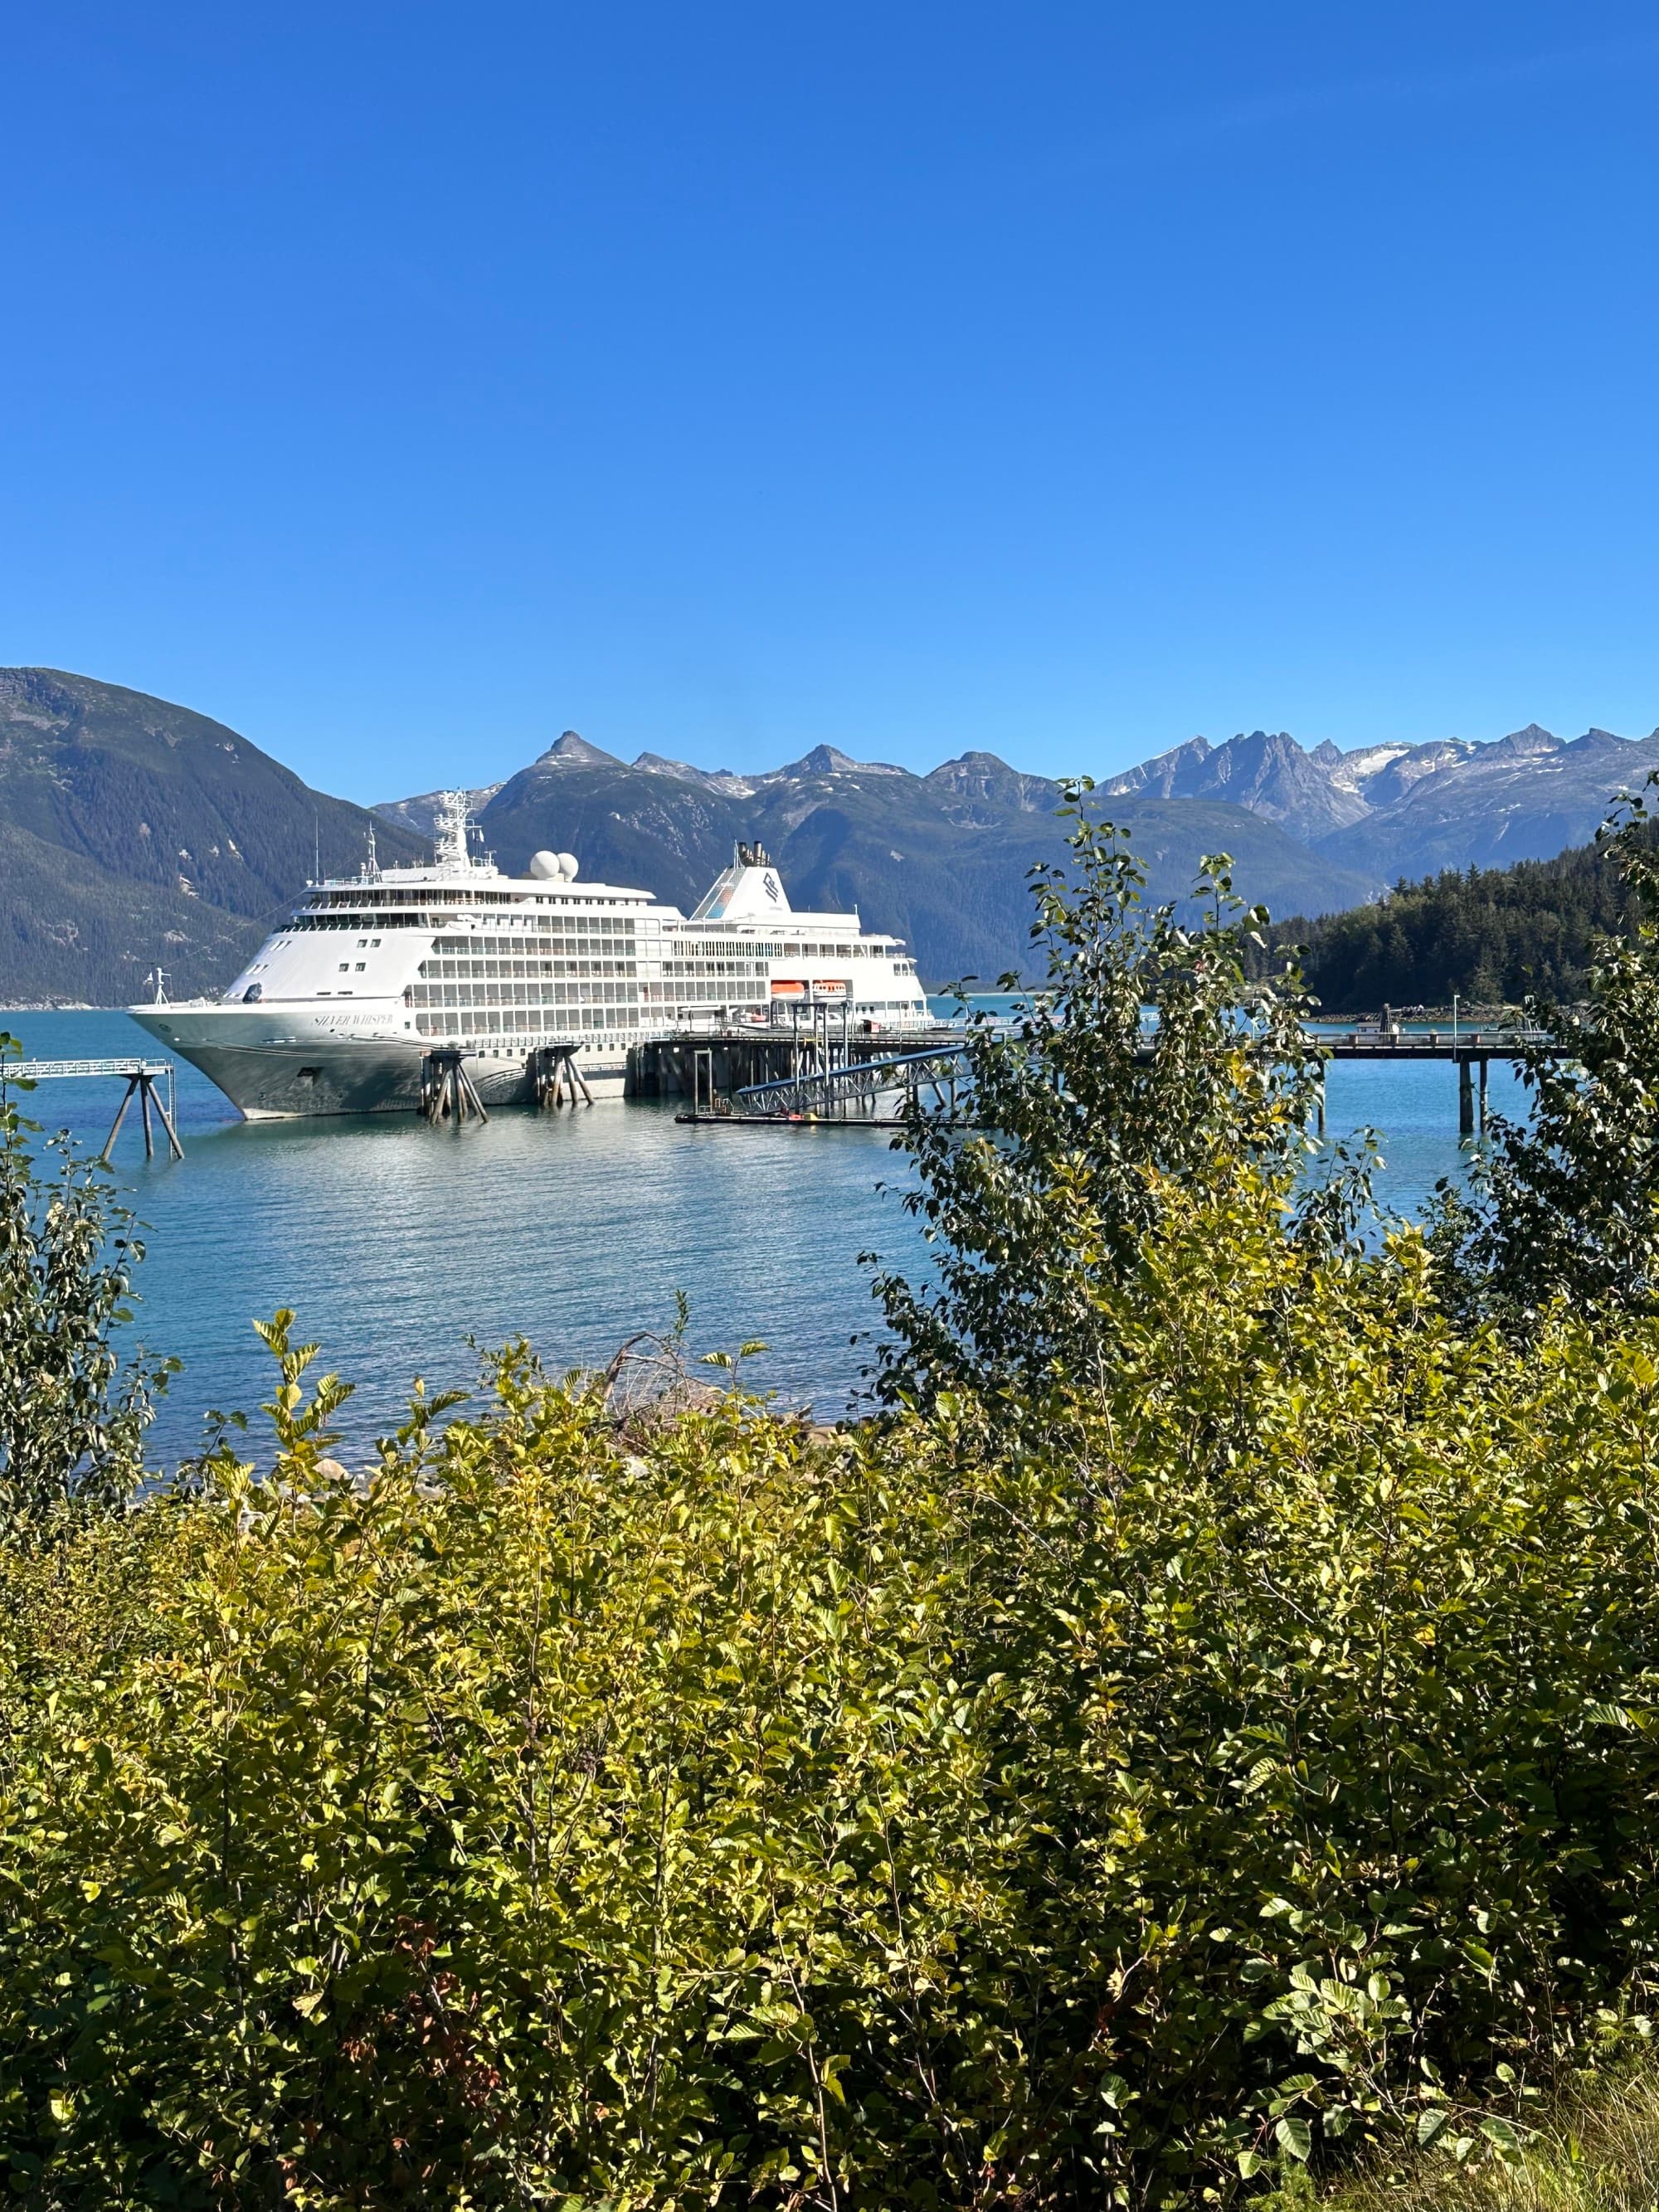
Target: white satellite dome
point(567, 865)
point(544, 866)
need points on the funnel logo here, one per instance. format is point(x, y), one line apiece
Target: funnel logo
point(769, 884)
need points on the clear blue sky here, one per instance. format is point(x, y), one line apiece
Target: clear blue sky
point(405, 383)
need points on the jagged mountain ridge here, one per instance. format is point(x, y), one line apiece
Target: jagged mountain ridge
point(134, 832)
point(939, 859)
point(1395, 810)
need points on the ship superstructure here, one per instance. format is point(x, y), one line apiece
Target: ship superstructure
point(338, 1009)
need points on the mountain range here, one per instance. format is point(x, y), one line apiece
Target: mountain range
point(134, 832)
point(1402, 810)
point(940, 860)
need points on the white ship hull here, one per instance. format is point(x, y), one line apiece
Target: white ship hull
point(345, 1000)
point(280, 1065)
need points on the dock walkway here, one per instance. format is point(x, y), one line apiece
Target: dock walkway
point(143, 1078)
point(847, 1090)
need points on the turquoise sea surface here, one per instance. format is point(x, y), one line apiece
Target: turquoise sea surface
point(395, 1242)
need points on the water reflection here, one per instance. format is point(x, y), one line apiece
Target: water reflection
point(395, 1242)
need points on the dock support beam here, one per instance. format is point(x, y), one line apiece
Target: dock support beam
point(1484, 1064)
point(555, 1076)
point(142, 1083)
point(1465, 1099)
point(447, 1089)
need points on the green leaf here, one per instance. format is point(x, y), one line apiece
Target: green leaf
point(1295, 2137)
point(1501, 2133)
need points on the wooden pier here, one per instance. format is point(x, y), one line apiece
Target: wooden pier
point(1471, 1051)
point(558, 1080)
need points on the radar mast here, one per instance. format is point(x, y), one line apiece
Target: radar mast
point(451, 841)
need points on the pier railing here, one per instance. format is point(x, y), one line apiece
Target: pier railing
point(1431, 1044)
point(44, 1071)
point(857, 1086)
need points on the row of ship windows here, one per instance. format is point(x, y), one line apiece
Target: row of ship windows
point(602, 935)
point(549, 939)
point(356, 909)
point(599, 1025)
point(553, 931)
point(699, 992)
point(845, 948)
point(566, 934)
point(464, 971)
point(521, 994)
point(585, 1006)
point(369, 899)
point(360, 921)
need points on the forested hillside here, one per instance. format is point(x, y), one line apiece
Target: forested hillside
point(1489, 935)
point(134, 832)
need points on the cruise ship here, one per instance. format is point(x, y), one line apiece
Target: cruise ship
point(339, 1007)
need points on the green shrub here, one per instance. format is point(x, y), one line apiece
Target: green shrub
point(72, 1417)
point(1149, 1067)
point(1204, 1732)
point(1568, 1204)
point(915, 1821)
point(1589, 2143)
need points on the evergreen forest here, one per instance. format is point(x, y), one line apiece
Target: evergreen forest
point(1492, 937)
point(1194, 1742)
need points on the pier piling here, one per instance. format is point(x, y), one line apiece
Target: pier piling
point(141, 1083)
point(556, 1078)
point(447, 1090)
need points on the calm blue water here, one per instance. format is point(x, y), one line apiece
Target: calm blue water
point(395, 1242)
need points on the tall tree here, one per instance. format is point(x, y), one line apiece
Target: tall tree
point(1567, 1205)
point(1147, 1070)
point(72, 1416)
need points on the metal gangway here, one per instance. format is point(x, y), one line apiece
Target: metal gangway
point(143, 1078)
point(853, 1089)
